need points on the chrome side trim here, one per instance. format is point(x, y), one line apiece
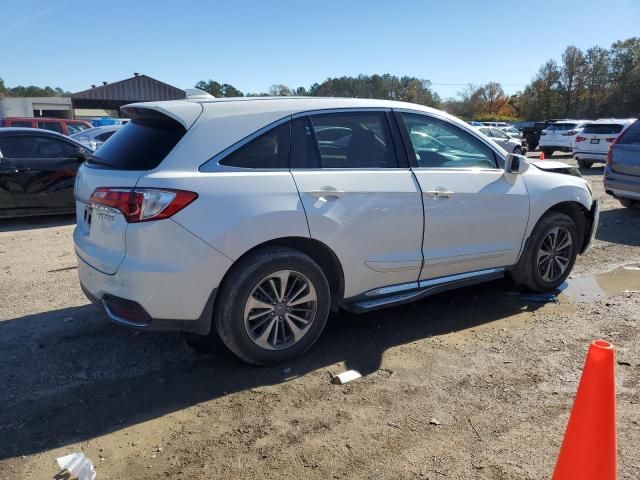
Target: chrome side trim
point(459, 276)
point(392, 289)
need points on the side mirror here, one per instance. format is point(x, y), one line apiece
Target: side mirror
point(516, 164)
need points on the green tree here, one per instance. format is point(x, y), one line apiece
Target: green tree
point(572, 78)
point(218, 89)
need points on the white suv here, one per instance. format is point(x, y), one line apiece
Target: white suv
point(560, 135)
point(254, 218)
point(594, 140)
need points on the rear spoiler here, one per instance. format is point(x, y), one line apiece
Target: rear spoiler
point(185, 113)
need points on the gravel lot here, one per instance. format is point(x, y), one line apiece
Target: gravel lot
point(471, 384)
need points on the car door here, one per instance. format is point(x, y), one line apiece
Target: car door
point(475, 213)
point(44, 172)
point(359, 195)
point(7, 201)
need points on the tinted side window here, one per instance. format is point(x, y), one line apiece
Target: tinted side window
point(354, 140)
point(497, 133)
point(17, 147)
point(304, 152)
point(632, 135)
point(53, 126)
point(439, 144)
point(52, 148)
point(269, 150)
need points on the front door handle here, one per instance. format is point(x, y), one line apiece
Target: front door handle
point(439, 193)
point(326, 192)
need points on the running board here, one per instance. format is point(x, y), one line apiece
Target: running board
point(410, 292)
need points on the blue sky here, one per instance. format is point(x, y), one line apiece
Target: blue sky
point(251, 45)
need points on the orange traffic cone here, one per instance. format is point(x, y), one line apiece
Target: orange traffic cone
point(589, 449)
point(541, 155)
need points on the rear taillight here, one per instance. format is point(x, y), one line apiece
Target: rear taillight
point(142, 204)
point(580, 139)
point(613, 141)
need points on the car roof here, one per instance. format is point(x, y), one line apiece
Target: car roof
point(188, 110)
point(622, 121)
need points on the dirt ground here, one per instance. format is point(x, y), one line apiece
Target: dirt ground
point(470, 384)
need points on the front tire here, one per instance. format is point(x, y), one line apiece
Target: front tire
point(273, 306)
point(548, 152)
point(550, 253)
point(517, 150)
point(585, 164)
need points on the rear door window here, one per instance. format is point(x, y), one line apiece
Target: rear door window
point(75, 128)
point(270, 150)
point(17, 147)
point(356, 140)
point(142, 144)
point(53, 126)
point(632, 135)
point(603, 129)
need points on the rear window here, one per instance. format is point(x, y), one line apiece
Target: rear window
point(561, 127)
point(142, 144)
point(603, 128)
point(21, 123)
point(632, 135)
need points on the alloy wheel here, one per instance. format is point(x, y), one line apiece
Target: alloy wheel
point(554, 254)
point(280, 310)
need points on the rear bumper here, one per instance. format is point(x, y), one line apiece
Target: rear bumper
point(201, 325)
point(591, 156)
point(619, 185)
point(168, 274)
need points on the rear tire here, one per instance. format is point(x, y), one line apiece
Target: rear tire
point(548, 152)
point(273, 306)
point(584, 164)
point(629, 203)
point(547, 261)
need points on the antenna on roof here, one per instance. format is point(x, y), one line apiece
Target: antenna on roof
point(197, 94)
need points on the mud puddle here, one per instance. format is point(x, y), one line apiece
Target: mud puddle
point(602, 285)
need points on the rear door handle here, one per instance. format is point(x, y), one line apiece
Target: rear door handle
point(326, 192)
point(439, 193)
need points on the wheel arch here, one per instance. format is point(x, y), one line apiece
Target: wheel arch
point(318, 252)
point(574, 210)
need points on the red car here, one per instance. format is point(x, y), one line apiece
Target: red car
point(60, 125)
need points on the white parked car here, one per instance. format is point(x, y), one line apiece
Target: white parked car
point(510, 144)
point(96, 136)
point(234, 217)
point(560, 135)
point(513, 132)
point(594, 140)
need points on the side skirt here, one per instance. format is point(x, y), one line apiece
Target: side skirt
point(411, 292)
